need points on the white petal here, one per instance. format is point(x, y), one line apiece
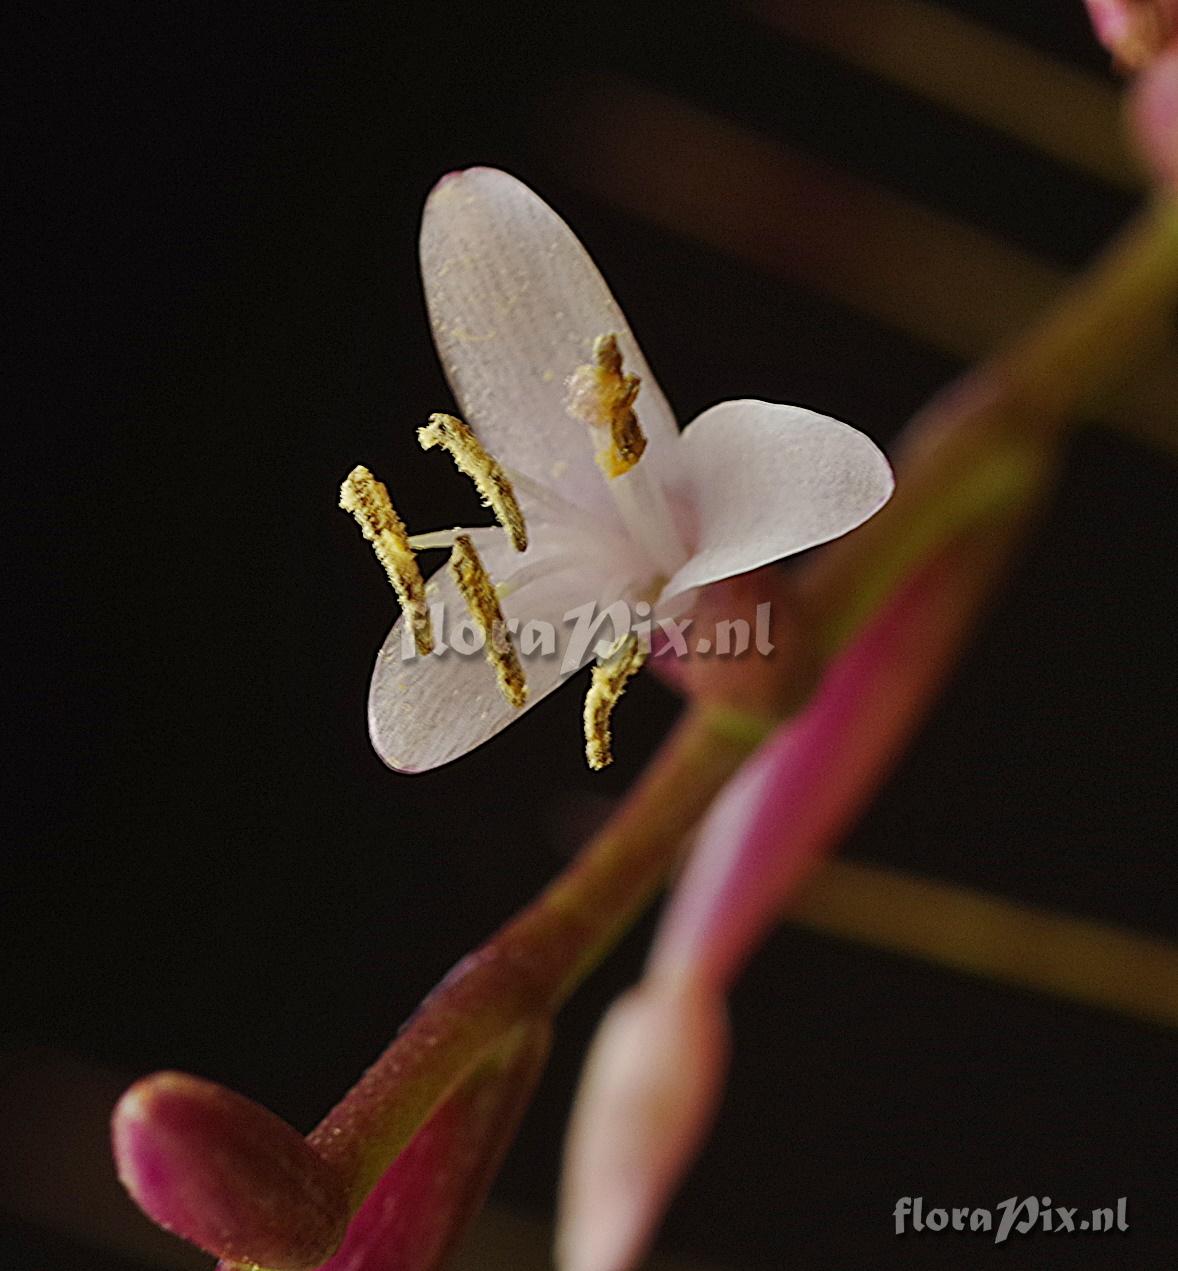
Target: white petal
point(426, 711)
point(516, 303)
point(767, 481)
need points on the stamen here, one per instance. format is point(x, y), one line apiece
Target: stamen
point(523, 576)
point(493, 485)
point(433, 538)
point(602, 396)
point(368, 501)
point(478, 591)
point(609, 682)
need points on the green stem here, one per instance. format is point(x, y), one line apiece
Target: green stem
point(1114, 314)
point(983, 447)
point(995, 937)
point(586, 909)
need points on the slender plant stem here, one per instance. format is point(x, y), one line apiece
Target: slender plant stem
point(977, 449)
point(993, 936)
point(532, 963)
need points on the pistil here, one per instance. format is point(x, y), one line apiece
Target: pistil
point(602, 395)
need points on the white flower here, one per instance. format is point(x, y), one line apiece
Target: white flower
point(521, 317)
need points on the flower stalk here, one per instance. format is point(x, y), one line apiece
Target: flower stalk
point(979, 446)
point(531, 965)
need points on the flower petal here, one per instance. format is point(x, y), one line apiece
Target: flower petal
point(516, 303)
point(767, 481)
point(425, 711)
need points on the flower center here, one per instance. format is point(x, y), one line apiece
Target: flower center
point(602, 396)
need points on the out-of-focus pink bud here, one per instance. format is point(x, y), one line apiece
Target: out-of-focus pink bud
point(648, 1097)
point(1154, 112)
point(786, 808)
point(227, 1174)
point(1134, 31)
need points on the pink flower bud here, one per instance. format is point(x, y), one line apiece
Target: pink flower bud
point(647, 1099)
point(225, 1173)
point(1154, 114)
point(1134, 31)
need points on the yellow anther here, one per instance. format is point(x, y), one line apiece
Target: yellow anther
point(468, 453)
point(368, 501)
point(478, 591)
point(609, 682)
point(602, 396)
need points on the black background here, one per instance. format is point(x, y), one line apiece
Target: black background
point(213, 234)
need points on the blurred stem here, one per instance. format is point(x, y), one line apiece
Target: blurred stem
point(809, 784)
point(1115, 314)
point(531, 965)
point(982, 934)
point(976, 451)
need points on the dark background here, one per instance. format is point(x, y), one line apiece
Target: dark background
point(212, 247)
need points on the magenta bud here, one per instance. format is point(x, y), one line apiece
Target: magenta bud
point(1154, 114)
point(1134, 31)
point(226, 1173)
point(647, 1099)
